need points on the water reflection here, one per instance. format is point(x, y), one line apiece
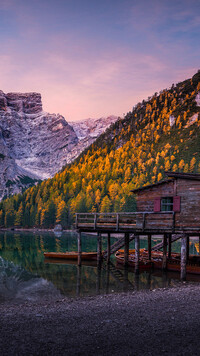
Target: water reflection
point(25, 274)
point(18, 284)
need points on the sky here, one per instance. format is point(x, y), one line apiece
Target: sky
point(92, 58)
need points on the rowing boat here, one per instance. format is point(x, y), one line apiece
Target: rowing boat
point(144, 262)
point(174, 263)
point(87, 256)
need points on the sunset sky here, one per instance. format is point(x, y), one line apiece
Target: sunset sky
point(93, 58)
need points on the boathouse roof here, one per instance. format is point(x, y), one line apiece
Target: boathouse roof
point(171, 176)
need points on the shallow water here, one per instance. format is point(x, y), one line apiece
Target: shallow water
point(25, 275)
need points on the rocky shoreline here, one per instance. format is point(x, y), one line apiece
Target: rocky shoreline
point(157, 322)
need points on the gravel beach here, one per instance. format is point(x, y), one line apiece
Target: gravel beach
point(157, 322)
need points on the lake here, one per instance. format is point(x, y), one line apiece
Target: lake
point(25, 275)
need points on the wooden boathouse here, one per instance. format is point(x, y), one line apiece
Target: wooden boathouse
point(170, 208)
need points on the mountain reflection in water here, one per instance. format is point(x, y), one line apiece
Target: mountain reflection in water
point(25, 274)
point(19, 284)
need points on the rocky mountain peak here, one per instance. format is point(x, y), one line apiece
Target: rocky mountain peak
point(26, 103)
point(35, 144)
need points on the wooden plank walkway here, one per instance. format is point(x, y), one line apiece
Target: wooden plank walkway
point(126, 222)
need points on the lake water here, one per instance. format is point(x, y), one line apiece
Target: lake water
point(25, 275)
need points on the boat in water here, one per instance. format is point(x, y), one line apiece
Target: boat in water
point(73, 255)
point(174, 263)
point(156, 262)
point(144, 263)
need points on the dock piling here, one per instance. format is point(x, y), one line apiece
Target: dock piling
point(183, 257)
point(98, 281)
point(137, 253)
point(126, 248)
point(108, 248)
point(99, 249)
point(164, 264)
point(199, 245)
point(149, 247)
point(188, 248)
point(169, 245)
point(78, 284)
point(79, 248)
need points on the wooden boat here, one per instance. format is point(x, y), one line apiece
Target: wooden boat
point(87, 256)
point(174, 263)
point(144, 263)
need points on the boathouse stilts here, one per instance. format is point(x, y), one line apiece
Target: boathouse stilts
point(199, 245)
point(98, 281)
point(188, 248)
point(78, 284)
point(164, 264)
point(79, 248)
point(107, 277)
point(137, 253)
point(99, 249)
point(149, 247)
point(108, 248)
point(169, 245)
point(126, 248)
point(125, 283)
point(183, 257)
point(137, 281)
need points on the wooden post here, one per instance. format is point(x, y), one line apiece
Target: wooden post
point(107, 278)
point(125, 284)
point(149, 247)
point(98, 284)
point(78, 284)
point(183, 257)
point(199, 245)
point(169, 245)
point(108, 248)
point(126, 248)
point(164, 264)
point(99, 254)
point(95, 221)
point(137, 281)
point(188, 248)
point(149, 280)
point(117, 221)
point(79, 248)
point(137, 253)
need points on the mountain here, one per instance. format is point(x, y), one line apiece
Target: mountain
point(89, 129)
point(158, 135)
point(35, 144)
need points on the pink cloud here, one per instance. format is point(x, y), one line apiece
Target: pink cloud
point(80, 82)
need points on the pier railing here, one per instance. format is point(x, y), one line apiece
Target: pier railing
point(137, 221)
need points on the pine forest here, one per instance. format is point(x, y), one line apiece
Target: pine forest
point(160, 134)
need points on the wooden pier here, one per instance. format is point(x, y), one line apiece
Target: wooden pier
point(132, 226)
point(169, 208)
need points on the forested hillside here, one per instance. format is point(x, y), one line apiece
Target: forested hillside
point(160, 134)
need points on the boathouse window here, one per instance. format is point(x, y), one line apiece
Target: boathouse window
point(167, 204)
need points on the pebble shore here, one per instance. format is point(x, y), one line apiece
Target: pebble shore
point(157, 322)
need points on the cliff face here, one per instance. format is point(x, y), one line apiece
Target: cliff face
point(34, 144)
point(88, 130)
